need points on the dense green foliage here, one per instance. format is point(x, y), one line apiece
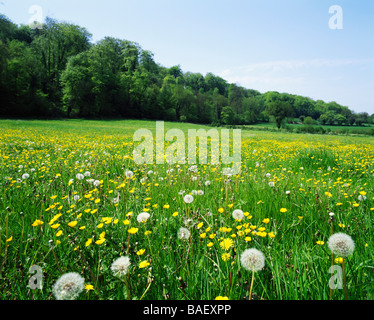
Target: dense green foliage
point(57, 71)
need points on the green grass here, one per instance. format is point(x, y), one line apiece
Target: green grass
point(323, 174)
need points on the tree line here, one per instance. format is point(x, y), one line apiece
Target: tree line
point(57, 72)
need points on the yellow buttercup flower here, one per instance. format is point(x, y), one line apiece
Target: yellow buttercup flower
point(133, 230)
point(144, 264)
point(140, 252)
point(100, 241)
point(72, 223)
point(339, 260)
point(88, 287)
point(88, 242)
point(37, 223)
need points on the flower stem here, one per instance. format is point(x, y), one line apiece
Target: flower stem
point(127, 287)
point(250, 290)
point(344, 282)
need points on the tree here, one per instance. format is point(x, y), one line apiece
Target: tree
point(278, 106)
point(361, 118)
point(340, 119)
point(56, 43)
point(228, 115)
point(309, 121)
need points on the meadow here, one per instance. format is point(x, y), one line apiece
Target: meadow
point(73, 200)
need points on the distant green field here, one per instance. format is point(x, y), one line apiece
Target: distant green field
point(351, 129)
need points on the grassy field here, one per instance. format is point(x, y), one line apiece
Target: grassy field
point(71, 196)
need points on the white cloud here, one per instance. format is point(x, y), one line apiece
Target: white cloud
point(338, 80)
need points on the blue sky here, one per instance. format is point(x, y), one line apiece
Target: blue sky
point(281, 45)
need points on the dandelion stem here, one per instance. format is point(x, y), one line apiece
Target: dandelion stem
point(332, 255)
point(344, 282)
point(250, 290)
point(332, 265)
point(128, 245)
point(127, 287)
point(58, 265)
point(146, 290)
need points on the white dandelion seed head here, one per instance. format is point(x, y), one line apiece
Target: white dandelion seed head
point(200, 192)
point(87, 174)
point(207, 183)
point(252, 260)
point(25, 176)
point(194, 192)
point(129, 174)
point(76, 197)
point(268, 175)
point(341, 244)
point(271, 184)
point(79, 176)
point(288, 192)
point(361, 198)
point(238, 214)
point(188, 198)
point(120, 266)
point(143, 217)
point(193, 168)
point(227, 172)
point(68, 286)
point(96, 183)
point(184, 233)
